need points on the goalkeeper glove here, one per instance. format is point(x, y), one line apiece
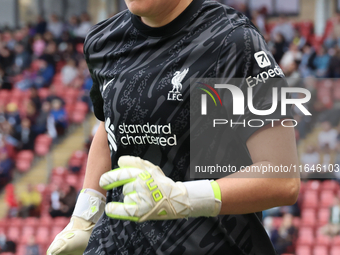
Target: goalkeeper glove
point(150, 195)
point(75, 236)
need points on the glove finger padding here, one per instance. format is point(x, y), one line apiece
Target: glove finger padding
point(75, 236)
point(73, 239)
point(150, 195)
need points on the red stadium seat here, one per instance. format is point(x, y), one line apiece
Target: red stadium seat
point(320, 250)
point(27, 232)
point(330, 185)
point(308, 218)
point(336, 240)
point(305, 236)
point(32, 222)
point(5, 96)
point(323, 240)
point(314, 185)
point(327, 198)
point(24, 160)
point(303, 250)
point(42, 235)
point(323, 216)
point(335, 250)
point(13, 234)
point(43, 93)
point(310, 199)
point(42, 144)
point(20, 250)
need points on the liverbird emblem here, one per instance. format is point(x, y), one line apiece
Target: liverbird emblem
point(177, 79)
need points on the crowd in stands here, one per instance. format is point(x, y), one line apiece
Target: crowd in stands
point(43, 75)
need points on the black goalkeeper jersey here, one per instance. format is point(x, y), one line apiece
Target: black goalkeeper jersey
point(136, 91)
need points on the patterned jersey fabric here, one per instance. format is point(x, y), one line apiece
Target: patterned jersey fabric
point(141, 87)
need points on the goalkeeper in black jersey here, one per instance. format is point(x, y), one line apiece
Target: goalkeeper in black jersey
point(141, 62)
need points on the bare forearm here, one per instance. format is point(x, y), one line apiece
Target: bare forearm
point(242, 193)
point(98, 161)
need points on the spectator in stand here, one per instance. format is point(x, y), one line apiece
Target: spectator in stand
point(22, 59)
point(45, 74)
point(51, 55)
point(285, 28)
point(67, 200)
point(72, 25)
point(69, 72)
point(34, 97)
point(289, 57)
point(13, 116)
point(26, 136)
point(6, 167)
point(328, 136)
point(305, 65)
point(5, 82)
point(31, 111)
point(334, 65)
point(55, 26)
point(333, 227)
point(30, 201)
point(41, 26)
point(85, 24)
point(321, 63)
point(2, 241)
point(59, 114)
point(39, 46)
point(45, 122)
point(53, 95)
point(287, 234)
point(259, 19)
point(32, 248)
point(11, 201)
point(279, 47)
point(272, 232)
point(6, 59)
point(310, 157)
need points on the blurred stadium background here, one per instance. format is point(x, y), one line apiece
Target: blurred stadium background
point(46, 121)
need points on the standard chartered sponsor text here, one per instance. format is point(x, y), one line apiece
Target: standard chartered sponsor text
point(147, 134)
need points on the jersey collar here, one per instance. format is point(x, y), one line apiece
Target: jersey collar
point(171, 28)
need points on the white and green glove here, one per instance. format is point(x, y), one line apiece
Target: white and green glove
point(75, 236)
point(150, 195)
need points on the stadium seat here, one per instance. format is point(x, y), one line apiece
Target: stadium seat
point(42, 235)
point(27, 232)
point(31, 221)
point(336, 241)
point(323, 216)
point(335, 250)
point(5, 95)
point(42, 144)
point(327, 198)
point(305, 236)
point(21, 250)
point(60, 221)
point(314, 185)
point(330, 185)
point(43, 93)
point(320, 250)
point(323, 240)
point(303, 250)
point(13, 234)
point(308, 217)
point(310, 199)
point(24, 160)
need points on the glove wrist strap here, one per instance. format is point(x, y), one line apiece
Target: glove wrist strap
point(202, 198)
point(90, 205)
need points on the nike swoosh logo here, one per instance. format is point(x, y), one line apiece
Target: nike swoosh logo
point(105, 86)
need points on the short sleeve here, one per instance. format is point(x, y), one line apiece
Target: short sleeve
point(95, 93)
point(246, 62)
